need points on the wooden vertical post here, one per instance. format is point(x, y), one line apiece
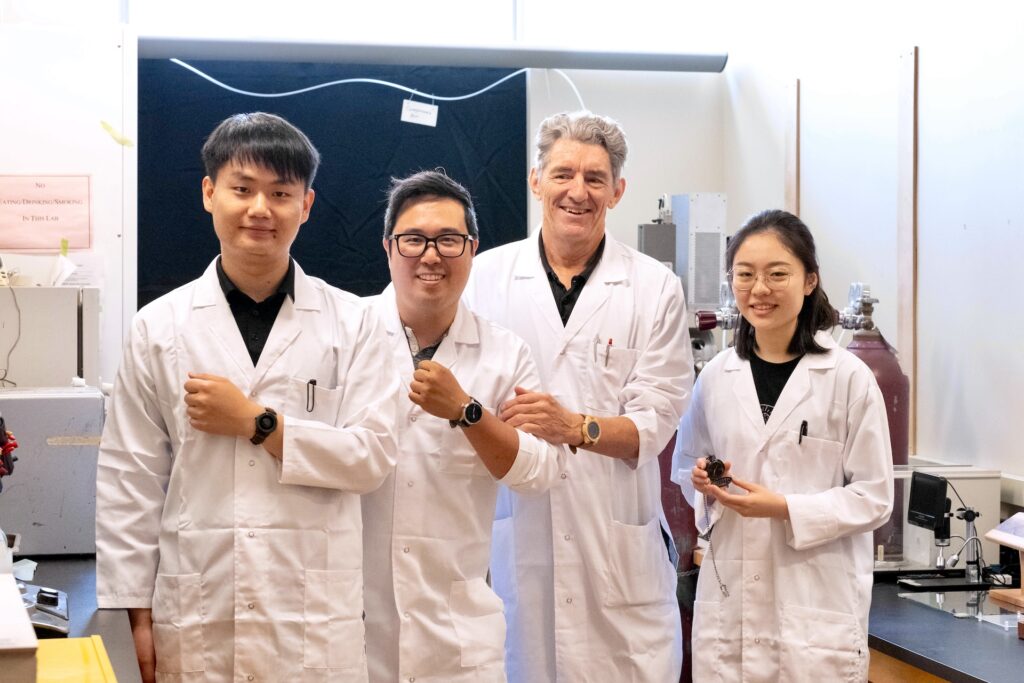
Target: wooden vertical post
point(906, 230)
point(792, 191)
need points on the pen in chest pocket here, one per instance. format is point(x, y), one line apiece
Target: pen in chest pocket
point(803, 432)
point(310, 395)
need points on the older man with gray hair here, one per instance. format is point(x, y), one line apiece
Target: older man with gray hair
point(586, 570)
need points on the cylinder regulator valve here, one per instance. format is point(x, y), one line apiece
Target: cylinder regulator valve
point(860, 307)
point(725, 317)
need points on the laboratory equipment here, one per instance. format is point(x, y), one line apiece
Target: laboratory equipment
point(47, 609)
point(928, 501)
point(40, 356)
point(870, 346)
point(928, 508)
point(52, 500)
point(1011, 534)
point(688, 236)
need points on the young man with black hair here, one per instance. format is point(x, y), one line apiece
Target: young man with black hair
point(251, 409)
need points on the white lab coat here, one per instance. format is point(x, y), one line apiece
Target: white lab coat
point(252, 566)
point(585, 570)
point(799, 590)
point(430, 615)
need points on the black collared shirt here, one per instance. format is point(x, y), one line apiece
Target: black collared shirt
point(565, 299)
point(256, 319)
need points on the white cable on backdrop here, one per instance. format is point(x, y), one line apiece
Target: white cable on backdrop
point(374, 81)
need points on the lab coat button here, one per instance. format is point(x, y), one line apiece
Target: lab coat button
point(412, 419)
point(565, 475)
point(251, 605)
point(252, 534)
point(405, 549)
point(757, 641)
point(252, 394)
point(757, 577)
point(410, 483)
point(406, 615)
point(252, 463)
point(250, 677)
point(568, 601)
point(568, 537)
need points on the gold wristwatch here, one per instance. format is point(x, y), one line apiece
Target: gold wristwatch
point(591, 431)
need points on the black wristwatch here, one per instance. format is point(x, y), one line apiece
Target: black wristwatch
point(472, 413)
point(266, 423)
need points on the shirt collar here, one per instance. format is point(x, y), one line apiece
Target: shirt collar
point(287, 285)
point(595, 258)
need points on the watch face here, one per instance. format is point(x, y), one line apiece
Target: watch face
point(474, 411)
point(593, 430)
point(267, 422)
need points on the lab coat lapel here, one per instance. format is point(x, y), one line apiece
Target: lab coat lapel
point(798, 388)
point(532, 282)
point(387, 308)
point(462, 331)
point(793, 394)
point(212, 327)
point(745, 391)
point(609, 273)
point(288, 325)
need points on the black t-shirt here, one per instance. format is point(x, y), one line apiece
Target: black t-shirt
point(769, 380)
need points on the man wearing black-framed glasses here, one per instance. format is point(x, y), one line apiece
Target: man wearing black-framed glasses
point(448, 245)
point(430, 613)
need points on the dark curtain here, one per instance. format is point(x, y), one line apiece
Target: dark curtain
point(481, 142)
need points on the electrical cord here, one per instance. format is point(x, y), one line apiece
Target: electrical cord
point(956, 492)
point(4, 381)
point(372, 81)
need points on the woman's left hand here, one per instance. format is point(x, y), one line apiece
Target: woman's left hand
point(758, 501)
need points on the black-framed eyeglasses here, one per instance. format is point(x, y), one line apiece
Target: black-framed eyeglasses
point(449, 245)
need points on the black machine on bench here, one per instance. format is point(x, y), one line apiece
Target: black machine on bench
point(929, 508)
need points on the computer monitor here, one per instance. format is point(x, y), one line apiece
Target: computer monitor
point(927, 507)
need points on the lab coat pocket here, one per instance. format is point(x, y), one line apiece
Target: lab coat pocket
point(639, 571)
point(178, 623)
point(821, 645)
point(308, 401)
point(456, 455)
point(479, 621)
point(708, 641)
point(808, 465)
point(333, 637)
point(612, 367)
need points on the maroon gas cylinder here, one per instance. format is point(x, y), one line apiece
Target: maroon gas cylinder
point(679, 515)
point(870, 346)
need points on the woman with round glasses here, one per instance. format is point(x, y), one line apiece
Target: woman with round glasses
point(804, 474)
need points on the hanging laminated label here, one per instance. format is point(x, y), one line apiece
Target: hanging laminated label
point(419, 112)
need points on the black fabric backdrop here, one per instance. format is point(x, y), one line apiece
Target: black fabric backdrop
point(481, 142)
